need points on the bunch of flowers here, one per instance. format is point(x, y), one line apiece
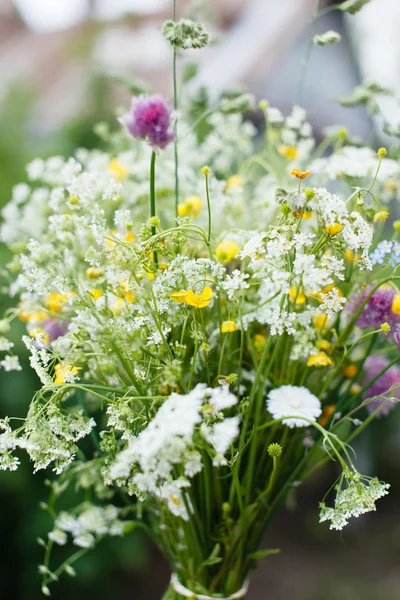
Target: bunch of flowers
point(203, 312)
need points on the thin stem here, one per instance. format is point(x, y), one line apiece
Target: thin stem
point(307, 55)
point(206, 172)
point(153, 198)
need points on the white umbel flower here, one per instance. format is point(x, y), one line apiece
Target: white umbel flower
point(293, 401)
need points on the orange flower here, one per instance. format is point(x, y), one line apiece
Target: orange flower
point(300, 174)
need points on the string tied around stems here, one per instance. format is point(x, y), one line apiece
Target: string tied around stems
point(186, 593)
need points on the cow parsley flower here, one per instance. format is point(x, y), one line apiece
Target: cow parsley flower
point(293, 401)
point(356, 495)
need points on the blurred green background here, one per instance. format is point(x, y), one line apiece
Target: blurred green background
point(53, 112)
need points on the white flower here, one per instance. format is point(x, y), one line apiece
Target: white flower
point(293, 401)
point(357, 498)
point(11, 363)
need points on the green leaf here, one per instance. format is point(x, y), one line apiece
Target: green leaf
point(132, 85)
point(263, 553)
point(353, 6)
point(213, 559)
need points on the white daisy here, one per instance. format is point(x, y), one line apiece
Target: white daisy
point(293, 401)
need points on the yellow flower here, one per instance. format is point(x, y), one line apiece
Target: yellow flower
point(179, 297)
point(390, 185)
point(259, 340)
point(333, 229)
point(55, 302)
point(116, 308)
point(327, 412)
point(39, 332)
point(234, 181)
point(199, 299)
point(191, 207)
point(62, 371)
point(319, 360)
point(229, 327)
point(327, 288)
point(320, 321)
point(289, 152)
point(206, 170)
point(350, 371)
point(296, 295)
point(226, 251)
point(36, 316)
point(323, 345)
point(351, 257)
point(127, 294)
point(303, 214)
point(129, 237)
point(118, 170)
point(300, 174)
point(382, 215)
point(111, 243)
point(96, 293)
point(94, 272)
point(396, 304)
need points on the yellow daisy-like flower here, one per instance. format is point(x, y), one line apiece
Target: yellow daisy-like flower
point(179, 297)
point(303, 214)
point(118, 170)
point(129, 237)
point(320, 321)
point(32, 316)
point(226, 251)
point(333, 229)
point(323, 345)
point(289, 152)
point(94, 272)
point(55, 302)
point(319, 360)
point(199, 299)
point(234, 181)
point(296, 295)
point(382, 215)
point(62, 371)
point(351, 257)
point(96, 293)
point(191, 207)
point(229, 327)
point(300, 174)
point(396, 304)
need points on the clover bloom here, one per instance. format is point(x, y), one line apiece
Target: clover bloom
point(372, 367)
point(149, 119)
point(378, 309)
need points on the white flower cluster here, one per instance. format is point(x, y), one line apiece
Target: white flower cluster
point(92, 523)
point(295, 402)
point(164, 456)
point(358, 497)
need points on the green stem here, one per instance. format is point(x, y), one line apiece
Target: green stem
point(206, 173)
point(153, 198)
point(307, 55)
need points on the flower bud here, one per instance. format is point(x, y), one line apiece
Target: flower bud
point(274, 450)
point(382, 152)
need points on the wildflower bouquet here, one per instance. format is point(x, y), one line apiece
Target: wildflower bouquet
point(215, 333)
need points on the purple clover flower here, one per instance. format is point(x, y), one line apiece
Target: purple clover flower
point(149, 119)
point(372, 366)
point(377, 310)
point(55, 328)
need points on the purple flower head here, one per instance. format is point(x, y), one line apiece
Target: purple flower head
point(150, 120)
point(374, 365)
point(396, 335)
point(55, 328)
point(377, 310)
